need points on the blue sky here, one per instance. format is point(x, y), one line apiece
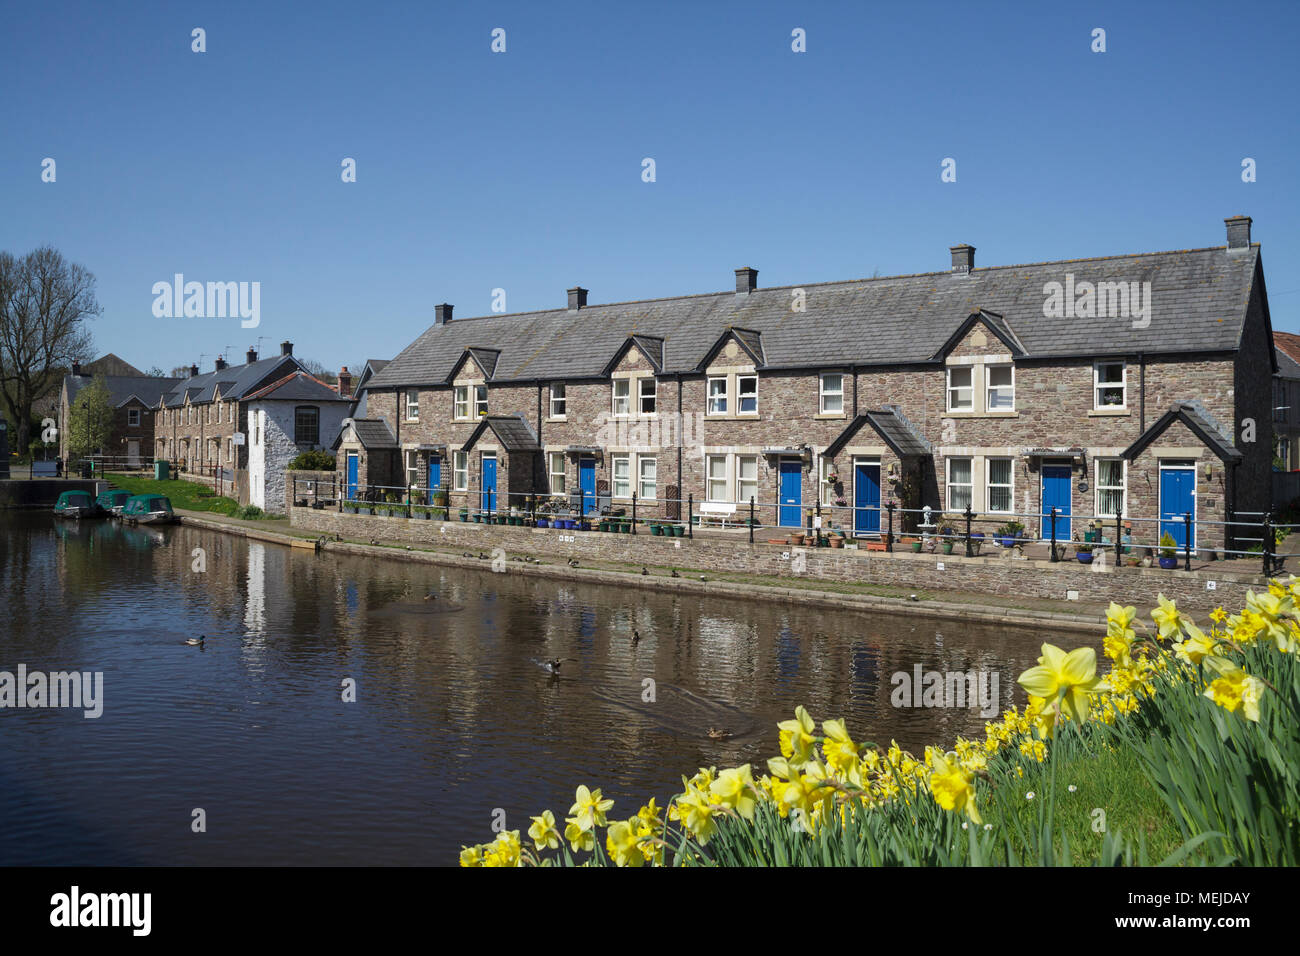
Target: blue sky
point(522, 170)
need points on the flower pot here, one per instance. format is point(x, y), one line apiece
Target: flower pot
point(679, 531)
point(916, 547)
point(947, 547)
point(656, 530)
point(1007, 542)
point(464, 516)
point(837, 542)
point(1168, 563)
point(796, 539)
point(543, 522)
point(1085, 557)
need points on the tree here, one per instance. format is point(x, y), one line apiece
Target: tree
point(315, 368)
point(45, 301)
point(156, 372)
point(90, 419)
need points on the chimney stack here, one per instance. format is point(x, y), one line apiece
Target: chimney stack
point(577, 298)
point(746, 280)
point(251, 356)
point(194, 371)
point(221, 362)
point(1238, 232)
point(442, 313)
point(76, 368)
point(345, 383)
point(963, 259)
point(286, 348)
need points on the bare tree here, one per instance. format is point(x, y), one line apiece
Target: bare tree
point(45, 301)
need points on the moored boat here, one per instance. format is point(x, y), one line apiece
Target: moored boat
point(76, 504)
point(113, 501)
point(148, 509)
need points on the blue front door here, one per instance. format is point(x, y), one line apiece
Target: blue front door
point(790, 513)
point(489, 483)
point(435, 475)
point(352, 475)
point(587, 482)
point(1177, 500)
point(866, 499)
point(1056, 494)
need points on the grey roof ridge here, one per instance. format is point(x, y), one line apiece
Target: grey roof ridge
point(808, 285)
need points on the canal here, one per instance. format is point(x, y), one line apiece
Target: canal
point(455, 715)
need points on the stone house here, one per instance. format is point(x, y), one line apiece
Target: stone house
point(1121, 386)
point(294, 414)
point(133, 398)
point(1286, 399)
point(201, 425)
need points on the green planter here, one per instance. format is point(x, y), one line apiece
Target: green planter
point(464, 515)
point(478, 519)
point(679, 531)
point(916, 547)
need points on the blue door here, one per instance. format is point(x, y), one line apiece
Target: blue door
point(587, 482)
point(435, 475)
point(1177, 499)
point(790, 512)
point(1056, 494)
point(352, 475)
point(489, 483)
point(866, 499)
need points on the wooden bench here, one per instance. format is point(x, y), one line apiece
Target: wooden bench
point(716, 511)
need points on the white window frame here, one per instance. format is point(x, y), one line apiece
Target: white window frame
point(412, 467)
point(716, 404)
point(742, 496)
point(625, 398)
point(990, 388)
point(949, 484)
point(642, 483)
point(559, 400)
point(412, 407)
point(989, 485)
point(741, 395)
point(1098, 385)
point(641, 396)
point(725, 480)
point(1122, 487)
point(460, 403)
point(969, 388)
point(624, 483)
point(230, 412)
point(460, 471)
point(823, 393)
point(130, 414)
point(480, 401)
point(558, 477)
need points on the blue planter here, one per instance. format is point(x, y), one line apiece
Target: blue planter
point(543, 522)
point(1007, 542)
point(1085, 557)
point(1168, 563)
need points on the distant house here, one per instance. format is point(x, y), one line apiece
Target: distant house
point(294, 414)
point(1286, 399)
point(132, 397)
point(373, 368)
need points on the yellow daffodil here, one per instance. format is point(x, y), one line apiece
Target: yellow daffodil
point(796, 736)
point(588, 808)
point(544, 833)
point(1167, 618)
point(1234, 689)
point(735, 788)
point(951, 786)
point(1067, 680)
point(621, 842)
point(1195, 646)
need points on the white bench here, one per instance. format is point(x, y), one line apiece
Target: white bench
point(718, 511)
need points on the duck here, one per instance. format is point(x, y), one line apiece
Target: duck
point(573, 562)
point(554, 665)
point(431, 596)
point(715, 734)
point(644, 569)
point(675, 574)
point(196, 641)
point(636, 637)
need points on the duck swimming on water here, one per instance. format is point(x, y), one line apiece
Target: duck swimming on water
point(196, 641)
point(554, 665)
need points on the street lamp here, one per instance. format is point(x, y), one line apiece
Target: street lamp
point(85, 414)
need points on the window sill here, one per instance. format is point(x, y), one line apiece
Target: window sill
point(555, 420)
point(1012, 414)
point(1109, 412)
point(830, 415)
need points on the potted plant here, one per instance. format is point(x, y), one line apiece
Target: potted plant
point(1008, 533)
point(917, 546)
point(349, 507)
point(946, 542)
point(1083, 551)
point(543, 521)
point(976, 542)
point(464, 514)
point(1168, 552)
point(796, 537)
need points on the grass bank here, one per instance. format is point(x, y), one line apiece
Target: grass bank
point(189, 495)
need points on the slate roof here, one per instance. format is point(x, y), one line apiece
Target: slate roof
point(511, 430)
point(1288, 343)
point(297, 387)
point(1199, 299)
point(373, 433)
point(891, 425)
point(1196, 417)
point(235, 381)
point(122, 388)
point(1287, 366)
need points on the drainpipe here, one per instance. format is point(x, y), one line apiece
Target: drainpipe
point(546, 465)
point(853, 370)
point(1142, 402)
point(680, 444)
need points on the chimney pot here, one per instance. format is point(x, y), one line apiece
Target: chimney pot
point(442, 313)
point(345, 383)
point(251, 356)
point(1238, 232)
point(221, 362)
point(286, 348)
point(577, 298)
point(963, 259)
point(746, 279)
point(194, 371)
point(76, 368)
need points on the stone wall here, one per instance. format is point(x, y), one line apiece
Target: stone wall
point(998, 574)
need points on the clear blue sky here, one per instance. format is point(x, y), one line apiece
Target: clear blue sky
point(522, 170)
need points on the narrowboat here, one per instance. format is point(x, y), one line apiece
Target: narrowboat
point(148, 509)
point(112, 502)
point(76, 504)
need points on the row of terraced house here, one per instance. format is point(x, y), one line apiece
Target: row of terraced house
point(1131, 385)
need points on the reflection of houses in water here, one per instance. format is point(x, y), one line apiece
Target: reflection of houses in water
point(255, 595)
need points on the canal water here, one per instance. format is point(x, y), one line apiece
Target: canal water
point(455, 715)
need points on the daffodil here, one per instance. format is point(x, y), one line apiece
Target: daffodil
point(1195, 646)
point(622, 842)
point(588, 808)
point(796, 736)
point(1234, 689)
point(952, 787)
point(735, 789)
point(544, 833)
point(1167, 618)
point(1067, 680)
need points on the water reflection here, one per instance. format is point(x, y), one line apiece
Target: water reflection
point(454, 714)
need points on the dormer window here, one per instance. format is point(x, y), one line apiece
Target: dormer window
point(646, 396)
point(961, 394)
point(718, 395)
